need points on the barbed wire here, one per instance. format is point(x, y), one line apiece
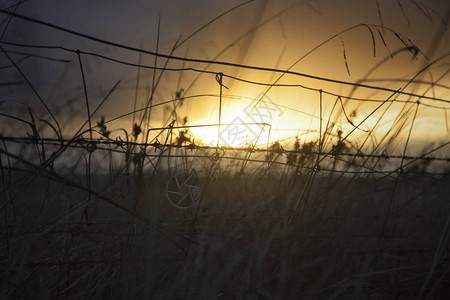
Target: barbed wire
point(86, 143)
point(126, 147)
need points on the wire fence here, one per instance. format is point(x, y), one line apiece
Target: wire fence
point(92, 198)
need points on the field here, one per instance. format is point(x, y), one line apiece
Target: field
point(130, 170)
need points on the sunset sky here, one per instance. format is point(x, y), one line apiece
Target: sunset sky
point(272, 34)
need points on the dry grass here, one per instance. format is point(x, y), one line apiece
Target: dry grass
point(337, 211)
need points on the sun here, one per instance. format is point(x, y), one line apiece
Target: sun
point(233, 134)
